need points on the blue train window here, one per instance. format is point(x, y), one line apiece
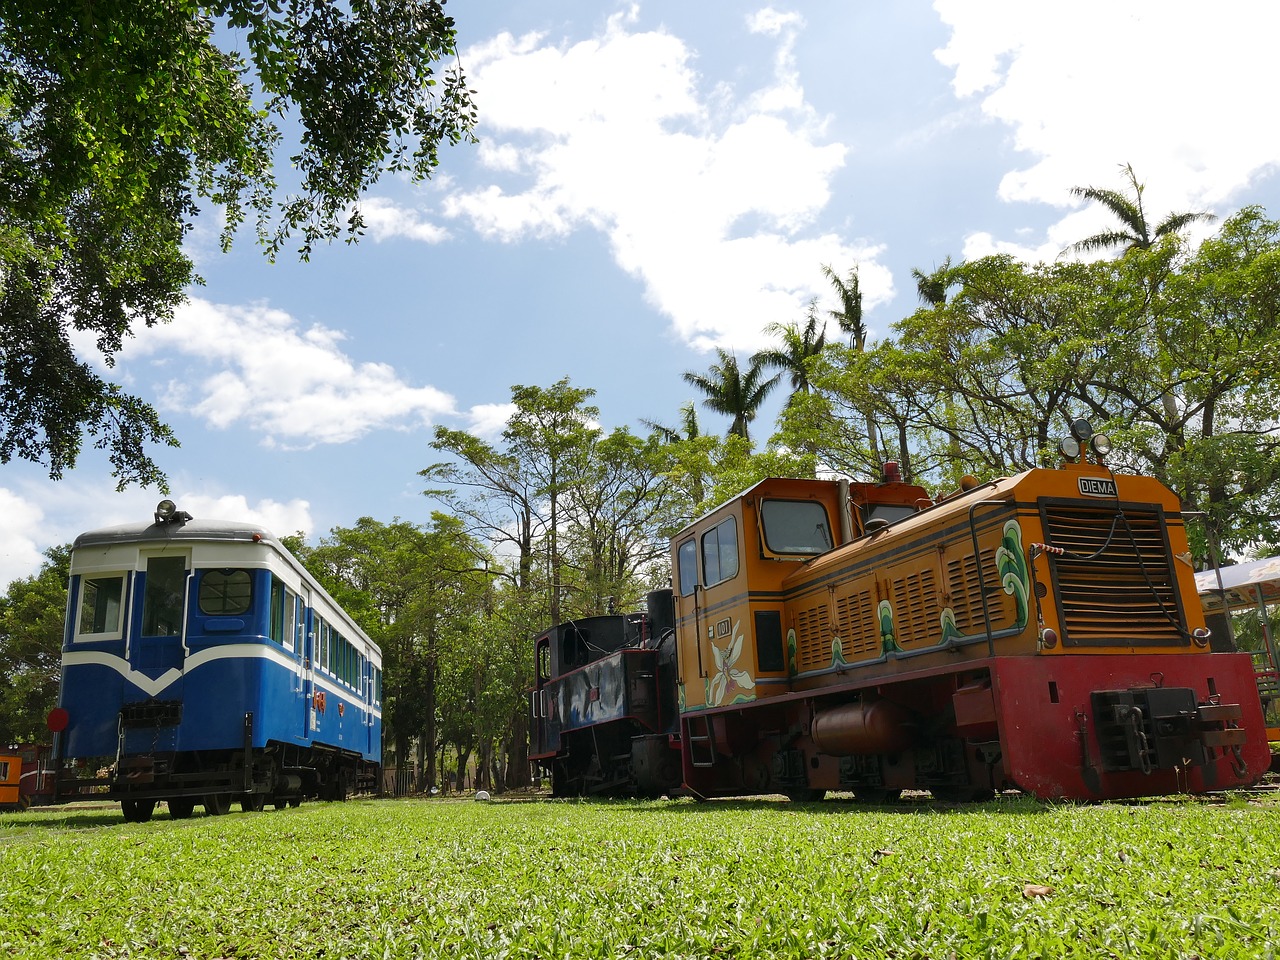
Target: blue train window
point(101, 600)
point(284, 614)
point(162, 599)
point(225, 592)
point(720, 552)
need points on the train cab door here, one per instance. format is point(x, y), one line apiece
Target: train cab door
point(539, 706)
point(158, 647)
point(713, 606)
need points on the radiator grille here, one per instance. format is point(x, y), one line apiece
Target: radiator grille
point(1116, 584)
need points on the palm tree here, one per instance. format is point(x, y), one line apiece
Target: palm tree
point(688, 429)
point(931, 288)
point(734, 393)
point(849, 316)
point(1134, 231)
point(798, 345)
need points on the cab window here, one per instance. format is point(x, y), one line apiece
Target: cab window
point(163, 597)
point(720, 552)
point(101, 603)
point(687, 562)
point(795, 526)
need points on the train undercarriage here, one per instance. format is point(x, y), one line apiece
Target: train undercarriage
point(279, 774)
point(1012, 724)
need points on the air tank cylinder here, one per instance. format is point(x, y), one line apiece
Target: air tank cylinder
point(852, 729)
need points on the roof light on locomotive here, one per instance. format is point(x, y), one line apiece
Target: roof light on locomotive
point(167, 512)
point(1082, 436)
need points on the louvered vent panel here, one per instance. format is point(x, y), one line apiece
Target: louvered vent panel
point(1116, 582)
point(858, 626)
point(915, 610)
point(813, 638)
point(966, 593)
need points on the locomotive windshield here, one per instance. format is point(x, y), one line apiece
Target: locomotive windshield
point(796, 526)
point(890, 512)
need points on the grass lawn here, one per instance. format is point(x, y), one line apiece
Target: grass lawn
point(548, 879)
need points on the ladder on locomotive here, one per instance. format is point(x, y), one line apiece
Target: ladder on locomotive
point(702, 744)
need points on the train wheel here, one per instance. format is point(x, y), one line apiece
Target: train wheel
point(252, 802)
point(181, 807)
point(216, 804)
point(137, 811)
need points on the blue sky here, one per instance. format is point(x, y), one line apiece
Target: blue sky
point(653, 180)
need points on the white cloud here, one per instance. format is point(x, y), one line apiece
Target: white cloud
point(384, 220)
point(773, 22)
point(22, 537)
point(280, 519)
point(259, 367)
point(1167, 87)
point(36, 514)
point(711, 201)
point(488, 420)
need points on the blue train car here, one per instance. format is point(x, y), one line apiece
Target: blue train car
point(202, 664)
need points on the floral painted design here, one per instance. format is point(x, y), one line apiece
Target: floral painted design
point(729, 684)
point(1011, 564)
point(950, 629)
point(791, 652)
point(888, 639)
point(837, 652)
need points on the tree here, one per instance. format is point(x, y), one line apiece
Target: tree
point(849, 316)
point(798, 345)
point(684, 460)
point(1172, 349)
point(1134, 231)
point(519, 497)
point(32, 615)
point(617, 517)
point(123, 118)
point(414, 589)
point(733, 393)
point(1135, 234)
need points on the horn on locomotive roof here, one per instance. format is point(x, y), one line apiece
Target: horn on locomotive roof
point(167, 512)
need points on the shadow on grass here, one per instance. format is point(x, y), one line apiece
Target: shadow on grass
point(68, 818)
point(837, 805)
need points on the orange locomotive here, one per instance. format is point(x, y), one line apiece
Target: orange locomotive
point(868, 648)
point(11, 797)
point(1040, 632)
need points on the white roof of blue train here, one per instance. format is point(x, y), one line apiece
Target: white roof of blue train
point(190, 530)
